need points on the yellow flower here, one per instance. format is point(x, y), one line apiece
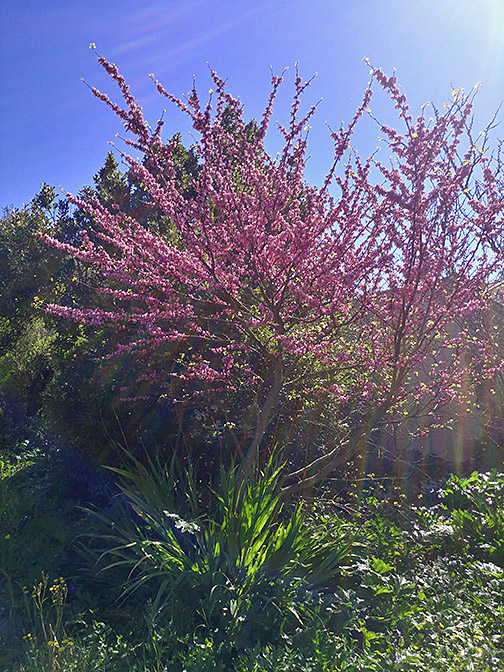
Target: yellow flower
point(92, 45)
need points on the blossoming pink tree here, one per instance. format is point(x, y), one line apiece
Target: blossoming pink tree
point(365, 290)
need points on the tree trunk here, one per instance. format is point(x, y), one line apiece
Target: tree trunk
point(263, 420)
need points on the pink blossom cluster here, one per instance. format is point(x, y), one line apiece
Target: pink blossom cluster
point(368, 287)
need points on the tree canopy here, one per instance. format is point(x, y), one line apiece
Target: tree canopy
point(264, 294)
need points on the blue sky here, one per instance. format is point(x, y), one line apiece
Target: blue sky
point(53, 130)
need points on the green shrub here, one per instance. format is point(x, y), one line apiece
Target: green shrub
point(474, 507)
point(240, 575)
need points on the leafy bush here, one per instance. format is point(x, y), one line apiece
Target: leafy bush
point(240, 574)
point(475, 509)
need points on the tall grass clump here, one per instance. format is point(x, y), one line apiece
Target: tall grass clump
point(241, 574)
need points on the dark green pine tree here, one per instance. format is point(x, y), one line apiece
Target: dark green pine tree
point(121, 192)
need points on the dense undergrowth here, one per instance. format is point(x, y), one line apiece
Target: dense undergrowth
point(157, 571)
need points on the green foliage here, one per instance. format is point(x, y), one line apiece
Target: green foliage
point(475, 510)
point(207, 580)
point(35, 349)
point(231, 576)
point(95, 649)
point(36, 514)
point(479, 491)
point(50, 369)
